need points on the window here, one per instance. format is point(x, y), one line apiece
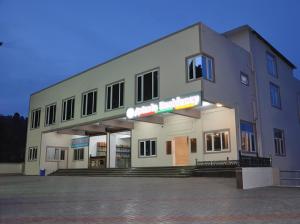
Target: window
point(217, 141)
point(193, 145)
point(248, 140)
point(275, 95)
point(35, 118)
point(147, 148)
point(279, 142)
point(147, 86)
point(168, 147)
point(55, 154)
point(200, 66)
point(50, 114)
point(68, 109)
point(271, 65)
point(244, 79)
point(89, 103)
point(79, 154)
point(115, 95)
point(32, 154)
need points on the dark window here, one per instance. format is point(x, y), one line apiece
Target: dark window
point(147, 86)
point(271, 65)
point(115, 95)
point(248, 141)
point(89, 105)
point(68, 109)
point(35, 118)
point(244, 79)
point(147, 148)
point(32, 154)
point(279, 142)
point(275, 95)
point(79, 154)
point(217, 141)
point(193, 145)
point(50, 114)
point(62, 155)
point(168, 147)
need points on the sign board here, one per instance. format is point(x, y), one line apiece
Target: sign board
point(176, 103)
point(80, 142)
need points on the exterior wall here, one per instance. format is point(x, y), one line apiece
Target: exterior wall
point(168, 55)
point(11, 168)
point(176, 125)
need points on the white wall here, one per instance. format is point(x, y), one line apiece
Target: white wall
point(176, 125)
point(11, 168)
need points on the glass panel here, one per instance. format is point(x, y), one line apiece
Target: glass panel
point(62, 155)
point(73, 104)
point(198, 67)
point(191, 68)
point(64, 111)
point(209, 69)
point(84, 105)
point(139, 88)
point(225, 140)
point(155, 84)
point(69, 109)
point(90, 103)
point(81, 154)
point(147, 86)
point(153, 148)
point(108, 98)
point(148, 148)
point(204, 67)
point(121, 94)
point(217, 142)
point(115, 96)
point(208, 142)
point(95, 102)
point(253, 143)
point(142, 148)
point(193, 145)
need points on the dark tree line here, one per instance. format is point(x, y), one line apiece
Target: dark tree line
point(13, 131)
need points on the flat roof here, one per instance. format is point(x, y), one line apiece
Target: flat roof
point(247, 27)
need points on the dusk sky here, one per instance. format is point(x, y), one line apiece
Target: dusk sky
point(47, 41)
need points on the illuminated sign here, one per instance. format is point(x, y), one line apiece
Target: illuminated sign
point(176, 103)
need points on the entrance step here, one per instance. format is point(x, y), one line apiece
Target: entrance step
point(214, 172)
point(183, 171)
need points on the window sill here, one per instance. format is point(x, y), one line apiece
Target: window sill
point(214, 152)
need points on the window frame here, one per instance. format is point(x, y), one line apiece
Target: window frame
point(268, 53)
point(33, 119)
point(271, 84)
point(55, 114)
point(214, 132)
point(254, 135)
point(60, 149)
point(78, 149)
point(62, 109)
point(139, 149)
point(106, 95)
point(32, 153)
point(283, 154)
point(188, 80)
point(82, 102)
point(195, 149)
point(157, 69)
point(245, 75)
point(169, 147)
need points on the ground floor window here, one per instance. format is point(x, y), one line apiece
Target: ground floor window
point(55, 154)
point(216, 141)
point(79, 154)
point(147, 148)
point(248, 140)
point(193, 145)
point(279, 142)
point(32, 154)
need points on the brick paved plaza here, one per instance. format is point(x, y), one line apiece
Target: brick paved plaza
point(142, 200)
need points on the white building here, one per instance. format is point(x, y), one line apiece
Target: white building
point(193, 95)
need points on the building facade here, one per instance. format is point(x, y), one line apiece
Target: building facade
point(193, 95)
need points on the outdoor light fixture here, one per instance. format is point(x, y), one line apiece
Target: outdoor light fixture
point(219, 105)
point(176, 103)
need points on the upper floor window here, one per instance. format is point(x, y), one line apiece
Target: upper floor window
point(147, 86)
point(248, 141)
point(216, 141)
point(89, 102)
point(147, 148)
point(35, 118)
point(275, 95)
point(279, 142)
point(50, 114)
point(68, 109)
point(32, 154)
point(271, 64)
point(115, 95)
point(244, 79)
point(200, 66)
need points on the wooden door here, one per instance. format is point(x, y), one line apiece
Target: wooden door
point(181, 151)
